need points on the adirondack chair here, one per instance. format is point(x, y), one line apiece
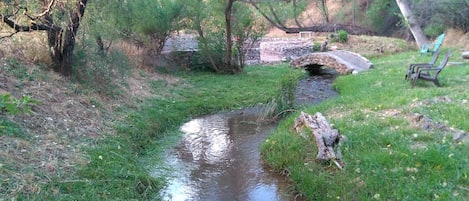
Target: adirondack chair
point(413, 67)
point(432, 48)
point(430, 74)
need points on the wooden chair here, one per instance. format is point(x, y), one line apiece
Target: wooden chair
point(414, 66)
point(430, 74)
point(432, 48)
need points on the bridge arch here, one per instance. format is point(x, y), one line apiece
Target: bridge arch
point(344, 62)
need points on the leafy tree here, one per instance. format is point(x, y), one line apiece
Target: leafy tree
point(438, 15)
point(381, 16)
point(155, 20)
point(60, 19)
point(112, 20)
point(217, 23)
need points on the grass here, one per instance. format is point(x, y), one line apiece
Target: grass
point(389, 155)
point(114, 167)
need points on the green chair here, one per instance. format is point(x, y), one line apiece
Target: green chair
point(432, 48)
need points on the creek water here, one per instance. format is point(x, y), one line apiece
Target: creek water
point(218, 157)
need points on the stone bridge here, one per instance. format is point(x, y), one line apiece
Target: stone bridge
point(344, 62)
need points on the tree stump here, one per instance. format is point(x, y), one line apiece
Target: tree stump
point(328, 140)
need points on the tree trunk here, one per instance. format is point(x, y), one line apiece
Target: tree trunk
point(62, 41)
point(412, 22)
point(229, 42)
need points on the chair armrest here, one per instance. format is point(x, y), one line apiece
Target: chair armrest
point(422, 68)
point(419, 70)
point(420, 64)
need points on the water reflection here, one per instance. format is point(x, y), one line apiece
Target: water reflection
point(218, 159)
point(207, 139)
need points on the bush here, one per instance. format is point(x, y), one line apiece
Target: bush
point(11, 105)
point(434, 30)
point(341, 36)
point(316, 47)
point(101, 72)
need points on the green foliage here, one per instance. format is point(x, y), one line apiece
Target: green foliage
point(11, 105)
point(155, 20)
point(381, 16)
point(375, 110)
point(443, 13)
point(316, 47)
point(248, 28)
point(341, 36)
point(99, 72)
point(434, 30)
point(10, 128)
point(283, 103)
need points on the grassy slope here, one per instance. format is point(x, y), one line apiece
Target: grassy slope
point(114, 170)
point(388, 155)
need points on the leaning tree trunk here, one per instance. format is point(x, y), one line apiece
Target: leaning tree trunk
point(412, 22)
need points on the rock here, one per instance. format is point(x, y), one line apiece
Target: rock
point(465, 55)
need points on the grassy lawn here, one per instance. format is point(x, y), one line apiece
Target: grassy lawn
point(400, 139)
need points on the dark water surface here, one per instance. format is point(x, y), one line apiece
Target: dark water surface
point(218, 159)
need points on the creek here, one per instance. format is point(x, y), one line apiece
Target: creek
point(218, 157)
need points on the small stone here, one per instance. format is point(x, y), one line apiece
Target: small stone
point(465, 55)
point(459, 136)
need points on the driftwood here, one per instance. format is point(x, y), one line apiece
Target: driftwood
point(328, 140)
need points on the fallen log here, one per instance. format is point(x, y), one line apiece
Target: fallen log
point(328, 140)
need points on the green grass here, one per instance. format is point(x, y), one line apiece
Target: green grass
point(115, 170)
point(375, 110)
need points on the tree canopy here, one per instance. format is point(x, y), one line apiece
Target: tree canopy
point(222, 27)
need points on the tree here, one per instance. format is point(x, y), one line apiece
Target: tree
point(155, 20)
point(277, 12)
point(228, 28)
point(60, 19)
point(322, 6)
point(222, 28)
point(412, 23)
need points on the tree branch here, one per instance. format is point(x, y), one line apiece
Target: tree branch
point(279, 26)
point(8, 36)
point(25, 28)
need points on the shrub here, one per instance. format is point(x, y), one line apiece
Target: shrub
point(11, 105)
point(316, 47)
point(343, 36)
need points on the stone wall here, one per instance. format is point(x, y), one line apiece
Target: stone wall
point(266, 50)
point(277, 50)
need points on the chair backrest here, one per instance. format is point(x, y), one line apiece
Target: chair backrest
point(443, 62)
point(438, 42)
point(435, 57)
